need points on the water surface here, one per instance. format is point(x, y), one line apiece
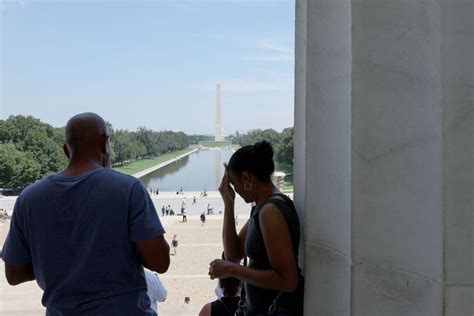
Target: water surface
point(196, 172)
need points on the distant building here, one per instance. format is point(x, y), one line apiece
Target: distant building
point(218, 131)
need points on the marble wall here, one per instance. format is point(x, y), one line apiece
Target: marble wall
point(458, 126)
point(323, 67)
point(396, 158)
point(384, 164)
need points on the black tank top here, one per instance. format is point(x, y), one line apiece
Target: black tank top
point(258, 299)
point(225, 306)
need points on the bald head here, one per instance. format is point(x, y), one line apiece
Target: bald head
point(85, 129)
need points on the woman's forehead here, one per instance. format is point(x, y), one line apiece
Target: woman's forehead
point(232, 177)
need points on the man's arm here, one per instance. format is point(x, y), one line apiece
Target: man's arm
point(17, 275)
point(155, 254)
point(15, 252)
point(146, 232)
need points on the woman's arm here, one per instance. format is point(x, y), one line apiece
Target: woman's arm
point(233, 243)
point(277, 239)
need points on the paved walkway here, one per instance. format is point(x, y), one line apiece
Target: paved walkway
point(187, 275)
point(173, 199)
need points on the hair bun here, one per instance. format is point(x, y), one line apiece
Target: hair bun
point(263, 150)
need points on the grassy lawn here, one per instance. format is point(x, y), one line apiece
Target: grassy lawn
point(224, 143)
point(143, 164)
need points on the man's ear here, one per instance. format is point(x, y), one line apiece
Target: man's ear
point(66, 151)
point(104, 146)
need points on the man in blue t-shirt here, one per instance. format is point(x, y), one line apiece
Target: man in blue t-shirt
point(85, 234)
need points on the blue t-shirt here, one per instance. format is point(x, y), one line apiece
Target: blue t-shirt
point(78, 234)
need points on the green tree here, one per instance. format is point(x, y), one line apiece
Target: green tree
point(257, 135)
point(17, 169)
point(284, 149)
point(5, 132)
point(44, 150)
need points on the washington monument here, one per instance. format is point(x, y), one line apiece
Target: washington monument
point(218, 132)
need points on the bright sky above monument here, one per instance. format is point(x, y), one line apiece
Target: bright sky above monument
point(149, 63)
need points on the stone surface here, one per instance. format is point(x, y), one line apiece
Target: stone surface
point(328, 114)
point(410, 169)
point(459, 301)
point(299, 116)
point(381, 291)
point(396, 158)
point(322, 135)
point(458, 106)
point(327, 281)
point(458, 127)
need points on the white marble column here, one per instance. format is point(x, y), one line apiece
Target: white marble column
point(322, 145)
point(458, 110)
point(218, 130)
point(384, 131)
point(299, 153)
point(397, 218)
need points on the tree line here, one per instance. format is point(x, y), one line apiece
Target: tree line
point(31, 149)
point(282, 144)
point(144, 143)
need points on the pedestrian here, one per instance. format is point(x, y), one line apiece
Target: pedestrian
point(184, 212)
point(163, 209)
point(227, 298)
point(85, 233)
point(155, 289)
point(181, 190)
point(270, 238)
point(209, 209)
point(194, 200)
point(174, 244)
point(203, 219)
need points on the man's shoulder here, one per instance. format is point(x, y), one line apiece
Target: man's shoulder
point(118, 176)
point(36, 187)
point(111, 177)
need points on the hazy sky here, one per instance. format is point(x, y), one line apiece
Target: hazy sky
point(149, 63)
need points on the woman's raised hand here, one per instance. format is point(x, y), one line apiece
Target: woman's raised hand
point(226, 191)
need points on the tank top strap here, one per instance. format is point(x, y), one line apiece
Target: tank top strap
point(286, 207)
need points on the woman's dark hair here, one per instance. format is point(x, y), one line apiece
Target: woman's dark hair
point(258, 159)
point(230, 286)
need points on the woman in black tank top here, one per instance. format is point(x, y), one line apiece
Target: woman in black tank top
point(270, 238)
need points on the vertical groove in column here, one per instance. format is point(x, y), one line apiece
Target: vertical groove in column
point(327, 149)
point(299, 157)
point(458, 153)
point(396, 158)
